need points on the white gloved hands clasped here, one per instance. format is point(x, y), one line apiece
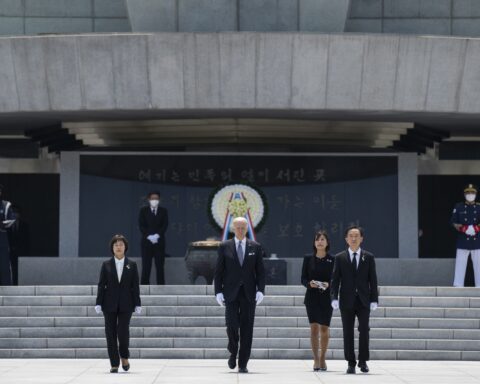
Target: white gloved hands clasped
point(220, 299)
point(335, 304)
point(98, 309)
point(153, 238)
point(470, 231)
point(373, 306)
point(259, 297)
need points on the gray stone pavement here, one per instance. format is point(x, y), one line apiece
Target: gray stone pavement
point(90, 371)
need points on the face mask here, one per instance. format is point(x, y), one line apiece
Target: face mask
point(154, 203)
point(470, 197)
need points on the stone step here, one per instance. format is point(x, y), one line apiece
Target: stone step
point(258, 343)
point(164, 321)
point(209, 301)
point(263, 332)
point(221, 353)
point(272, 290)
point(216, 311)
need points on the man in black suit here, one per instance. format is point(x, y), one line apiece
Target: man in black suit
point(118, 296)
point(355, 275)
point(153, 223)
point(7, 219)
point(19, 240)
point(239, 285)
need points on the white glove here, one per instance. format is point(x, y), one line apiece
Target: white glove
point(335, 304)
point(138, 310)
point(152, 239)
point(470, 231)
point(220, 299)
point(373, 306)
point(157, 236)
point(98, 309)
point(259, 297)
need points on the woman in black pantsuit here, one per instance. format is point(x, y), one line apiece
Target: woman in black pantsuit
point(316, 275)
point(118, 296)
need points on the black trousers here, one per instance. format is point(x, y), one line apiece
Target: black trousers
point(348, 321)
point(157, 252)
point(5, 267)
point(14, 264)
point(239, 317)
point(117, 331)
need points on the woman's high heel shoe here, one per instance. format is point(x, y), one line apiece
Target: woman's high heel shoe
point(126, 367)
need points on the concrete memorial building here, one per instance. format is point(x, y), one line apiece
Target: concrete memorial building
point(324, 113)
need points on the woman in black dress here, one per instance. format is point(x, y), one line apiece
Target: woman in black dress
point(316, 275)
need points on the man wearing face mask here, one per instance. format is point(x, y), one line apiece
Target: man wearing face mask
point(153, 223)
point(466, 220)
point(6, 221)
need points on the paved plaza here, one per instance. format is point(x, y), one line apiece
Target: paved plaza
point(53, 371)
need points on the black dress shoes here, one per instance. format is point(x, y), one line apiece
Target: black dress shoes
point(243, 370)
point(126, 367)
point(114, 370)
point(351, 369)
point(232, 361)
point(363, 367)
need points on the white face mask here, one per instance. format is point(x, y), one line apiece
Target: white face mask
point(154, 203)
point(470, 197)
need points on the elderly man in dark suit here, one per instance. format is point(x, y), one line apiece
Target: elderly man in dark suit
point(239, 285)
point(153, 223)
point(355, 277)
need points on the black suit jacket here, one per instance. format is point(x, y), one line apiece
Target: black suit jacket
point(121, 296)
point(363, 281)
point(150, 224)
point(230, 275)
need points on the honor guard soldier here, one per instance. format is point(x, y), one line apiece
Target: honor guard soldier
point(466, 220)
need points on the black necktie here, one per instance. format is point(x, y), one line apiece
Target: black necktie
point(240, 252)
point(354, 261)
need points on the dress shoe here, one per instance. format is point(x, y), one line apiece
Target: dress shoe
point(114, 370)
point(316, 369)
point(363, 367)
point(232, 361)
point(351, 369)
point(243, 370)
point(125, 367)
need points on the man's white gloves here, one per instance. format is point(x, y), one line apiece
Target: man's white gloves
point(98, 309)
point(470, 231)
point(220, 299)
point(138, 310)
point(259, 297)
point(335, 304)
point(153, 238)
point(373, 306)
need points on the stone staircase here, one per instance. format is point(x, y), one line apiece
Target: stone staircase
point(412, 323)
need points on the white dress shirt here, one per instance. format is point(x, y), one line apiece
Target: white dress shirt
point(357, 258)
point(119, 265)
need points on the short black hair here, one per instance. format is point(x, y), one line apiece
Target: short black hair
point(360, 229)
point(153, 193)
point(117, 238)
